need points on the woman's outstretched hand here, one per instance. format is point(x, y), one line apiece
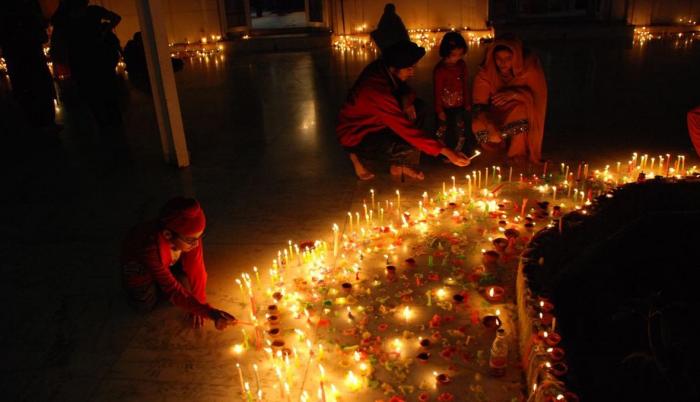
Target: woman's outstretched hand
point(457, 158)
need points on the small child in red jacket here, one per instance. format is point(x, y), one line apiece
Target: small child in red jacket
point(163, 259)
point(451, 89)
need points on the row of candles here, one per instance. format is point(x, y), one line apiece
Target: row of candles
point(321, 262)
point(360, 42)
point(546, 366)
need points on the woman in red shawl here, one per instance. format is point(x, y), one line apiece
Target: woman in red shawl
point(510, 100)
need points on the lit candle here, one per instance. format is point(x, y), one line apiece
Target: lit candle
point(240, 377)
point(510, 174)
point(287, 392)
point(350, 220)
point(398, 201)
point(240, 285)
point(257, 275)
point(554, 193)
point(249, 397)
point(371, 191)
point(544, 170)
point(322, 390)
point(486, 177)
point(279, 378)
point(407, 313)
point(335, 240)
point(682, 170)
point(257, 378)
point(478, 180)
point(352, 381)
point(454, 185)
point(245, 338)
point(476, 153)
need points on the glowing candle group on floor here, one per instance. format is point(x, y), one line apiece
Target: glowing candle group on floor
point(306, 295)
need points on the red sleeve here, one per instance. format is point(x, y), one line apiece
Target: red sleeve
point(438, 85)
point(176, 293)
point(467, 93)
point(391, 115)
point(694, 128)
point(193, 265)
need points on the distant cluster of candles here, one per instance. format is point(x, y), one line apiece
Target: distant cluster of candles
point(361, 42)
point(643, 35)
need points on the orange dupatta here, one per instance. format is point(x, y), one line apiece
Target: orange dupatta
point(528, 81)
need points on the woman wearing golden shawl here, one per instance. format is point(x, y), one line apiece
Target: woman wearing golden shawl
point(510, 100)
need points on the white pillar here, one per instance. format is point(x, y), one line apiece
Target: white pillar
point(163, 88)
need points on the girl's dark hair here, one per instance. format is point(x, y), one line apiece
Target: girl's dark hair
point(500, 48)
point(450, 42)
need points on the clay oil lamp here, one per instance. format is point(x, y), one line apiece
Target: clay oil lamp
point(500, 244)
point(390, 272)
point(553, 339)
point(550, 338)
point(425, 343)
point(274, 333)
point(558, 369)
point(489, 257)
point(442, 379)
point(511, 234)
point(273, 321)
point(277, 296)
point(529, 227)
point(277, 345)
point(347, 287)
point(423, 357)
point(546, 318)
point(491, 322)
point(545, 305)
point(494, 294)
point(556, 354)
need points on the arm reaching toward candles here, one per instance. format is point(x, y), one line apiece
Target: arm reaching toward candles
point(457, 158)
point(165, 258)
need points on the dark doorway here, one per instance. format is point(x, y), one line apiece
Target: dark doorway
point(278, 14)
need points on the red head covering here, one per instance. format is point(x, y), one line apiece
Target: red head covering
point(183, 216)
